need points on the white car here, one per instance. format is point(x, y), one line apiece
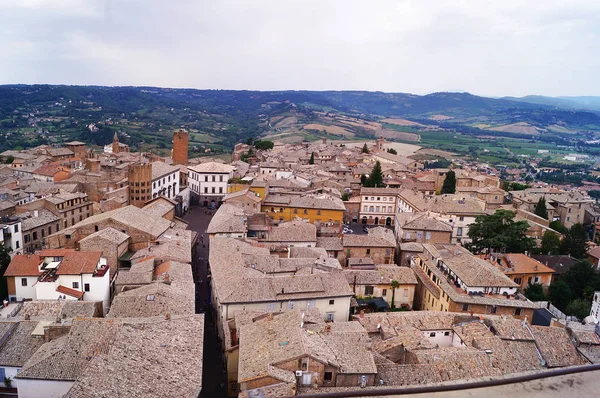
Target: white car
point(348, 231)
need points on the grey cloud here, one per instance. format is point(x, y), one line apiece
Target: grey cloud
point(491, 48)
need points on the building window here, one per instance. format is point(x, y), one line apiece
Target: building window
point(96, 228)
point(431, 334)
point(75, 285)
point(86, 287)
point(518, 281)
point(427, 235)
point(220, 189)
point(23, 281)
point(369, 290)
point(26, 238)
point(384, 292)
point(291, 305)
point(34, 235)
point(221, 178)
point(465, 307)
point(16, 227)
point(461, 219)
point(459, 231)
point(17, 244)
point(517, 311)
point(305, 211)
point(405, 293)
point(328, 376)
point(493, 310)
point(213, 178)
point(205, 178)
point(419, 235)
point(368, 251)
point(330, 316)
point(446, 333)
point(331, 302)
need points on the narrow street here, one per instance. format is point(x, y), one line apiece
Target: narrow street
point(214, 378)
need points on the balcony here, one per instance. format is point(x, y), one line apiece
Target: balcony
point(100, 271)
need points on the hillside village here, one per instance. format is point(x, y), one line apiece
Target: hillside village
point(302, 268)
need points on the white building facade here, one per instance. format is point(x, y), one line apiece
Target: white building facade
point(208, 182)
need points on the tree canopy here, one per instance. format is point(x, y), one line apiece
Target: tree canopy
point(541, 209)
point(449, 185)
point(499, 232)
point(264, 144)
point(375, 179)
point(550, 243)
point(365, 149)
point(312, 158)
point(574, 242)
point(392, 151)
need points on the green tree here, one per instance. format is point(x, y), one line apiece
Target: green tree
point(574, 242)
point(264, 144)
point(558, 227)
point(449, 185)
point(535, 292)
point(312, 158)
point(392, 151)
point(365, 181)
point(9, 159)
point(500, 232)
point(581, 278)
point(376, 177)
point(4, 261)
point(541, 209)
point(550, 243)
point(345, 196)
point(365, 149)
point(394, 285)
point(579, 308)
point(560, 294)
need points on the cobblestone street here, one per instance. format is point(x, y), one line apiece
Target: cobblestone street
point(214, 378)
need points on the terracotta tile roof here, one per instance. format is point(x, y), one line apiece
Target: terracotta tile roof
point(79, 262)
point(381, 275)
point(161, 169)
point(18, 343)
point(271, 341)
point(556, 347)
point(50, 310)
point(517, 263)
point(147, 358)
point(212, 167)
point(109, 234)
point(24, 265)
point(330, 243)
point(294, 231)
point(69, 292)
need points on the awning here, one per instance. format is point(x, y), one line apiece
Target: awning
point(378, 302)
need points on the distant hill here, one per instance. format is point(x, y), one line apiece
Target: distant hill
point(217, 119)
point(587, 103)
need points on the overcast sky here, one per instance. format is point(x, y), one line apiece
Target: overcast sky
point(495, 48)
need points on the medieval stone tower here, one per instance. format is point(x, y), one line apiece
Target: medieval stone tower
point(140, 184)
point(116, 147)
point(180, 147)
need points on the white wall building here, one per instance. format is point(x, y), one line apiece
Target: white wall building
point(60, 275)
point(11, 237)
point(165, 180)
point(208, 182)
